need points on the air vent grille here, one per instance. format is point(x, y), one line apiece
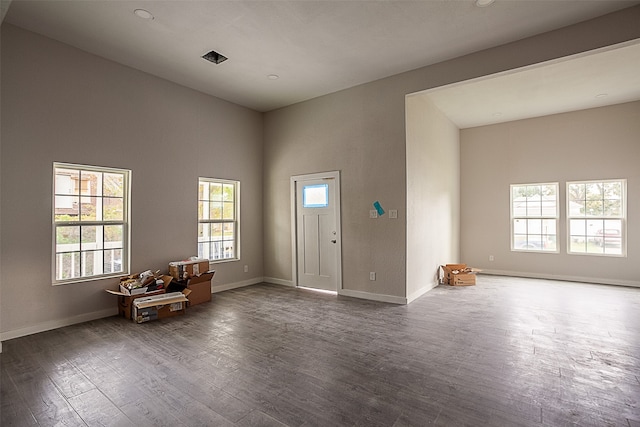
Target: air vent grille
point(215, 57)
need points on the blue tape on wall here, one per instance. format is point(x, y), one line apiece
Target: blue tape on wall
point(378, 207)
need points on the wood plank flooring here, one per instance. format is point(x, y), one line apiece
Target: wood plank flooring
point(507, 352)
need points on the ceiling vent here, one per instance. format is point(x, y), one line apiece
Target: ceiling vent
point(215, 57)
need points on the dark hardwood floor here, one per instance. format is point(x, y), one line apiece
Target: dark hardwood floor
point(507, 352)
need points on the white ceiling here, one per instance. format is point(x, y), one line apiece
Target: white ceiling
point(595, 79)
point(315, 47)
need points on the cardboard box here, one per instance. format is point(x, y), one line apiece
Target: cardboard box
point(147, 314)
point(463, 279)
point(200, 287)
point(458, 275)
point(181, 270)
point(125, 302)
point(160, 306)
point(151, 286)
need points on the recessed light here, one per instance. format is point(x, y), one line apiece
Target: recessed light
point(602, 95)
point(144, 14)
point(273, 77)
point(497, 114)
point(484, 3)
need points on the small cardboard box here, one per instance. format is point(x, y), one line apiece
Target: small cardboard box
point(125, 302)
point(180, 270)
point(463, 279)
point(458, 275)
point(200, 287)
point(160, 306)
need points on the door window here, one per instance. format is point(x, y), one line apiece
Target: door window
point(315, 196)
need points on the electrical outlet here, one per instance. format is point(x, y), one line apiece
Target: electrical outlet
point(372, 275)
point(373, 213)
point(246, 268)
point(490, 257)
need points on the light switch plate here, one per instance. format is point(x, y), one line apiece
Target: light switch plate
point(393, 213)
point(373, 213)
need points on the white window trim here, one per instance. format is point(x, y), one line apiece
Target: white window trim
point(513, 218)
point(126, 223)
point(622, 218)
point(236, 243)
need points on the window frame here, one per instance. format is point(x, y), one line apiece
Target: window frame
point(235, 221)
point(622, 218)
point(514, 218)
point(125, 222)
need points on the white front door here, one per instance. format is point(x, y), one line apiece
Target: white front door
point(317, 230)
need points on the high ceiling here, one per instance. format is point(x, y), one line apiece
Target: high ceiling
point(314, 47)
point(605, 77)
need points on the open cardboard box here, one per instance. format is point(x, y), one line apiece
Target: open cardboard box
point(151, 287)
point(181, 270)
point(458, 275)
point(160, 306)
point(200, 287)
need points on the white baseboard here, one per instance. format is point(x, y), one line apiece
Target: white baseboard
point(235, 285)
point(55, 324)
point(374, 297)
point(60, 323)
point(347, 292)
point(596, 280)
point(417, 294)
point(280, 282)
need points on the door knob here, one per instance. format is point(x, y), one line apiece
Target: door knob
point(333, 241)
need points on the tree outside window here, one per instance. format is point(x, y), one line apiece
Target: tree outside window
point(218, 225)
point(534, 217)
point(90, 215)
point(596, 215)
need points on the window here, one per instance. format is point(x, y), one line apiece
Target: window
point(534, 217)
point(315, 196)
point(91, 222)
point(596, 214)
point(218, 225)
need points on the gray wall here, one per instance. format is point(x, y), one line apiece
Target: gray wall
point(62, 104)
point(599, 143)
point(433, 194)
point(361, 131)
